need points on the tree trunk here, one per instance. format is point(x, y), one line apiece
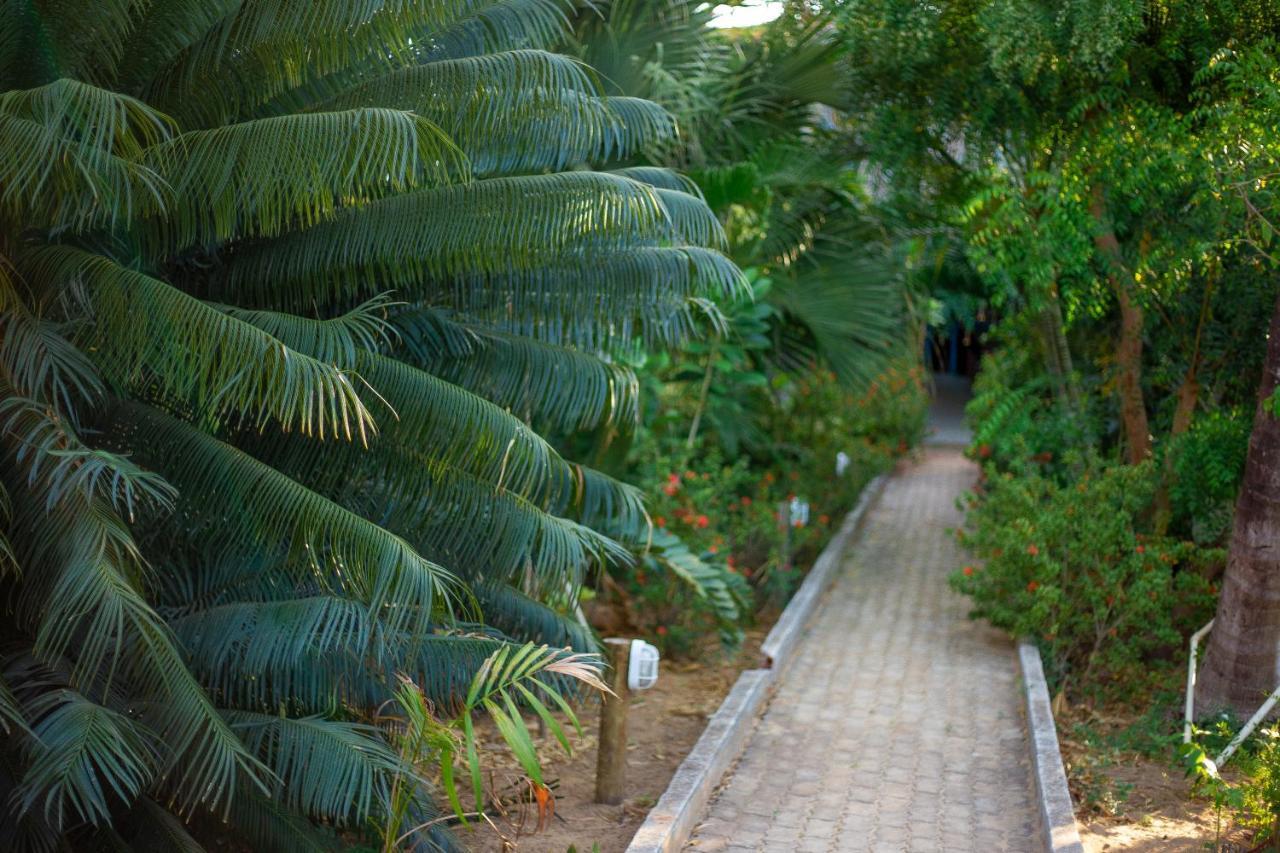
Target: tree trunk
point(1242, 663)
point(1133, 409)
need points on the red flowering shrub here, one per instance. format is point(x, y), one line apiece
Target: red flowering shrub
point(1064, 565)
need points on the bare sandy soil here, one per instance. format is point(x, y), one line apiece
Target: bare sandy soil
point(663, 724)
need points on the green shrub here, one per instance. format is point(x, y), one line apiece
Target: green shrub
point(1208, 463)
point(1019, 425)
point(1070, 566)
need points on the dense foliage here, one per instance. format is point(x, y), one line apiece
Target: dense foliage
point(287, 290)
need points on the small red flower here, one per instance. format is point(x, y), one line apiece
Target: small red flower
point(984, 451)
point(662, 630)
point(968, 571)
point(689, 475)
point(660, 521)
point(702, 521)
point(670, 488)
point(746, 501)
point(824, 519)
point(1033, 586)
point(1141, 549)
point(1033, 550)
point(714, 550)
point(673, 478)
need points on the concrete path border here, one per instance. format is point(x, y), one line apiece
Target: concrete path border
point(1057, 815)
point(676, 814)
point(781, 641)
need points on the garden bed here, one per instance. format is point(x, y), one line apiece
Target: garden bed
point(663, 724)
point(1129, 791)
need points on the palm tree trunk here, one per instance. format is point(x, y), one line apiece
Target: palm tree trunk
point(1242, 664)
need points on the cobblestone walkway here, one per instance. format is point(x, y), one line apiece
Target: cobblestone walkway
point(899, 725)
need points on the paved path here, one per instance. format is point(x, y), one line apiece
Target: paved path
point(899, 725)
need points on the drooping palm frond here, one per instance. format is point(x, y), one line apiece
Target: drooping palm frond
point(273, 371)
point(71, 156)
point(262, 177)
point(447, 232)
point(344, 551)
point(149, 334)
point(82, 755)
point(326, 768)
point(541, 383)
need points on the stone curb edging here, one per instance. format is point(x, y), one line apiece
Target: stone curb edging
point(782, 639)
point(673, 818)
point(1057, 815)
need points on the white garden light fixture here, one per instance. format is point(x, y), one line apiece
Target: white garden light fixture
point(642, 670)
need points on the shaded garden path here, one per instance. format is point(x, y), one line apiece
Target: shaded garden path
point(899, 726)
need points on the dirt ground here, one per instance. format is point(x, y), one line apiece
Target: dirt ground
point(1129, 803)
point(663, 724)
point(1158, 815)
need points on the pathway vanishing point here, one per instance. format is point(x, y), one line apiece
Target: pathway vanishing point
point(899, 726)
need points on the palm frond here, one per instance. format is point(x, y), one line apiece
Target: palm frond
point(519, 615)
point(38, 360)
point(663, 178)
point(307, 652)
point(69, 158)
point(334, 770)
point(473, 27)
point(262, 508)
point(83, 596)
point(53, 454)
point(263, 177)
point(598, 301)
point(81, 755)
point(150, 335)
point(163, 32)
point(267, 824)
point(543, 384)
point(492, 225)
point(336, 340)
point(853, 311)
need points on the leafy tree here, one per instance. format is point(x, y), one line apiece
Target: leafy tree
point(285, 290)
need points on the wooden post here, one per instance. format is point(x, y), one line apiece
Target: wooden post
point(611, 755)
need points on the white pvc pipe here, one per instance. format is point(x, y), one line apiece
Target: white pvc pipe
point(1191, 682)
point(1257, 717)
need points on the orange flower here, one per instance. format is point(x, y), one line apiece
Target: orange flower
point(1141, 549)
point(824, 519)
point(670, 488)
point(1033, 586)
point(968, 571)
point(689, 475)
point(1033, 550)
point(660, 521)
point(714, 550)
point(702, 521)
point(746, 501)
point(984, 451)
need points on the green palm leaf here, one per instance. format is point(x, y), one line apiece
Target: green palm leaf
point(152, 336)
point(447, 231)
point(331, 769)
point(81, 756)
point(263, 177)
point(268, 510)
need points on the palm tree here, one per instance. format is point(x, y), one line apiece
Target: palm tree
point(286, 291)
point(764, 137)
